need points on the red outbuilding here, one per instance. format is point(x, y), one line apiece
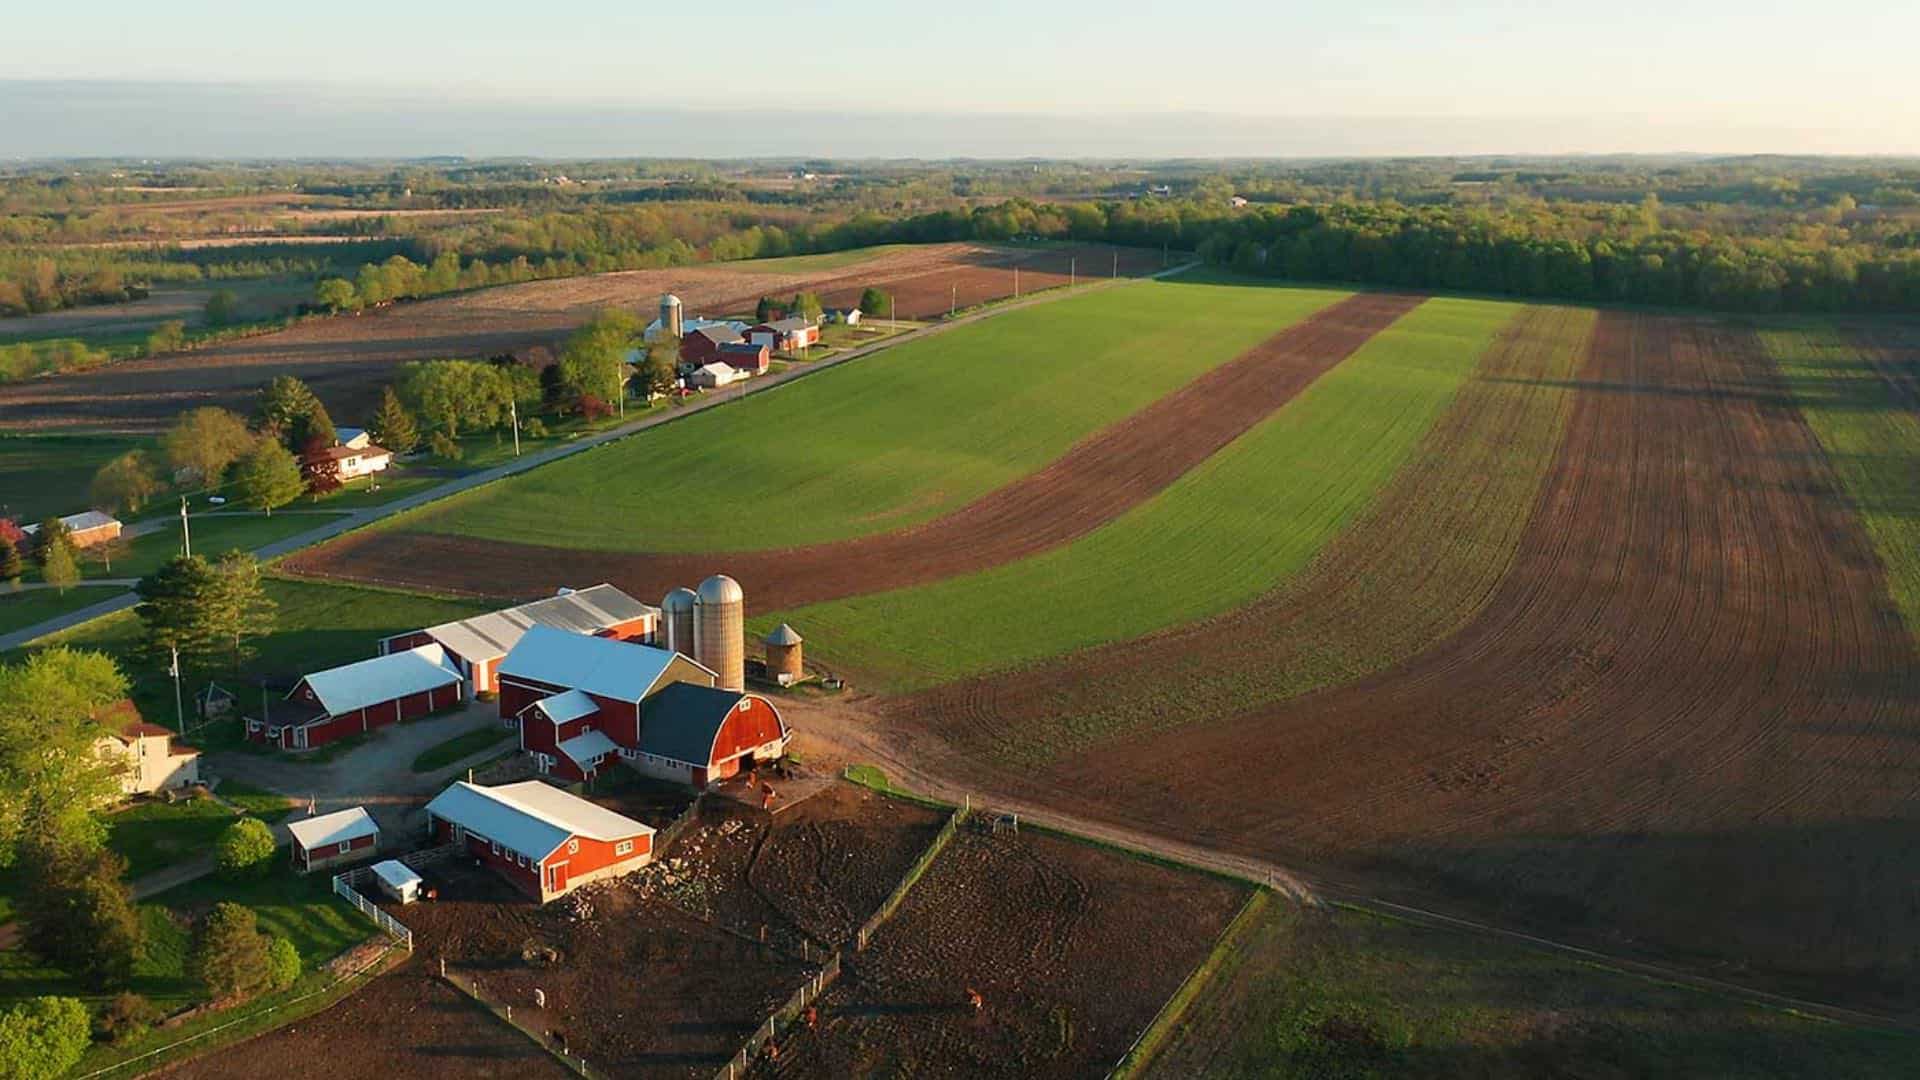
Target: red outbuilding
point(785, 335)
point(359, 697)
point(330, 839)
point(703, 346)
point(543, 840)
point(752, 359)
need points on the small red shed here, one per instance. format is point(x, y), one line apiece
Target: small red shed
point(330, 839)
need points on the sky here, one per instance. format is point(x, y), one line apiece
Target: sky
point(991, 78)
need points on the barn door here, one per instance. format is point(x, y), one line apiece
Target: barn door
point(557, 878)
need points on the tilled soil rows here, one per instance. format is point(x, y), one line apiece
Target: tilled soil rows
point(406, 1024)
point(1688, 718)
point(346, 359)
point(1072, 949)
point(1093, 483)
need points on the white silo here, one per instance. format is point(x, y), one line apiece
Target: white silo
point(671, 319)
point(720, 630)
point(676, 621)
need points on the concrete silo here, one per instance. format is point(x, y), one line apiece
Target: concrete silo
point(676, 621)
point(671, 320)
point(720, 630)
point(784, 662)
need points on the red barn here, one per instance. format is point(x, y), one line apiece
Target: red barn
point(330, 839)
point(362, 696)
point(543, 840)
point(703, 346)
point(700, 734)
point(752, 359)
point(477, 645)
point(785, 335)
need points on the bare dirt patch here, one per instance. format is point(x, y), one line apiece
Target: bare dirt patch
point(1072, 948)
point(1099, 479)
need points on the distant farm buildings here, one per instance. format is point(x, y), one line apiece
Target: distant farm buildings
point(477, 645)
point(785, 335)
point(85, 529)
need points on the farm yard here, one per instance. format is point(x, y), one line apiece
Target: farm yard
point(346, 358)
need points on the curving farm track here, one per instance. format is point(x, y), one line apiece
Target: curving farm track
point(1687, 717)
point(1096, 481)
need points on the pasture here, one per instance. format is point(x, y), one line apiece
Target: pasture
point(1233, 528)
point(43, 476)
point(889, 442)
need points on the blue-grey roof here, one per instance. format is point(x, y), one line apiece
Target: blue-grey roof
point(620, 670)
point(681, 722)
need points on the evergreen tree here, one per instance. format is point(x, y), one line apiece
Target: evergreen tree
point(177, 602)
point(229, 957)
point(77, 914)
point(238, 607)
point(393, 425)
point(288, 411)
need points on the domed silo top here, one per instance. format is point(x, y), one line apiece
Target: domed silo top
point(669, 300)
point(784, 635)
point(721, 589)
point(677, 601)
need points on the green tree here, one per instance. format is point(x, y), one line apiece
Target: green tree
point(660, 366)
point(456, 395)
point(51, 775)
point(245, 849)
point(125, 483)
point(11, 564)
point(204, 441)
point(169, 336)
point(283, 964)
point(336, 294)
point(222, 308)
point(806, 305)
point(52, 533)
point(768, 310)
point(77, 914)
point(127, 1017)
point(393, 425)
point(877, 303)
point(268, 477)
point(594, 359)
point(42, 1038)
point(176, 610)
point(289, 411)
point(59, 565)
point(238, 607)
point(229, 954)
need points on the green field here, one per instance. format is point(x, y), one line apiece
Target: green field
point(890, 441)
point(1240, 524)
point(155, 835)
point(45, 475)
point(1334, 992)
point(30, 606)
point(1872, 440)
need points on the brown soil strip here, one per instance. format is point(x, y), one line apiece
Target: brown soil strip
point(1689, 718)
point(1093, 483)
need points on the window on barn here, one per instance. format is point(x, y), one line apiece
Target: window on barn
point(523, 860)
point(573, 847)
point(624, 847)
point(496, 847)
point(346, 846)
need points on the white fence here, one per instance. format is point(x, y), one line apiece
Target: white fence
point(371, 910)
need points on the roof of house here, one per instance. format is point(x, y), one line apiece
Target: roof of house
point(789, 324)
point(571, 705)
point(142, 729)
point(531, 817)
point(493, 635)
point(341, 453)
point(383, 678)
point(336, 828)
point(345, 435)
point(397, 874)
point(619, 670)
point(81, 522)
point(683, 721)
point(587, 746)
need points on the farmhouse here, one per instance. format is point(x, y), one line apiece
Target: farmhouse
point(702, 346)
point(715, 375)
point(848, 316)
point(151, 760)
point(353, 438)
point(752, 359)
point(543, 840)
point(361, 696)
point(785, 335)
point(583, 702)
point(477, 645)
point(86, 529)
point(353, 462)
point(331, 839)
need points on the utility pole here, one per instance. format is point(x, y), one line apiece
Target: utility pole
point(1073, 271)
point(1016, 283)
point(179, 708)
point(513, 407)
point(953, 299)
point(1116, 264)
point(186, 536)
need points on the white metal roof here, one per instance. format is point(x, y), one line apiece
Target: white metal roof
point(81, 522)
point(335, 828)
point(718, 370)
point(381, 679)
point(531, 818)
point(493, 635)
point(571, 705)
point(586, 746)
point(397, 874)
point(620, 670)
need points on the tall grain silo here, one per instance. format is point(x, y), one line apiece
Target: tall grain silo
point(676, 621)
point(671, 320)
point(720, 630)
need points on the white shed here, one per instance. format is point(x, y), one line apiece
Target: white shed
point(398, 880)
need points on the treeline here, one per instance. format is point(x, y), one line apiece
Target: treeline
point(49, 279)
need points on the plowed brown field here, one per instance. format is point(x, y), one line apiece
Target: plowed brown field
point(345, 359)
point(1096, 481)
point(1688, 718)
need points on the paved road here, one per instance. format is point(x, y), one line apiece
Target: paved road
point(348, 521)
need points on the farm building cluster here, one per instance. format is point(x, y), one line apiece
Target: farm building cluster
point(587, 678)
point(720, 352)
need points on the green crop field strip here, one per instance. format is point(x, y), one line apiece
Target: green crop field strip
point(1872, 439)
point(891, 441)
point(1243, 522)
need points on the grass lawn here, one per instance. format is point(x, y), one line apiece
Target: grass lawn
point(1872, 439)
point(1240, 524)
point(395, 483)
point(440, 755)
point(212, 536)
point(25, 608)
point(1335, 992)
point(301, 909)
point(891, 441)
point(45, 475)
point(266, 805)
point(155, 835)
